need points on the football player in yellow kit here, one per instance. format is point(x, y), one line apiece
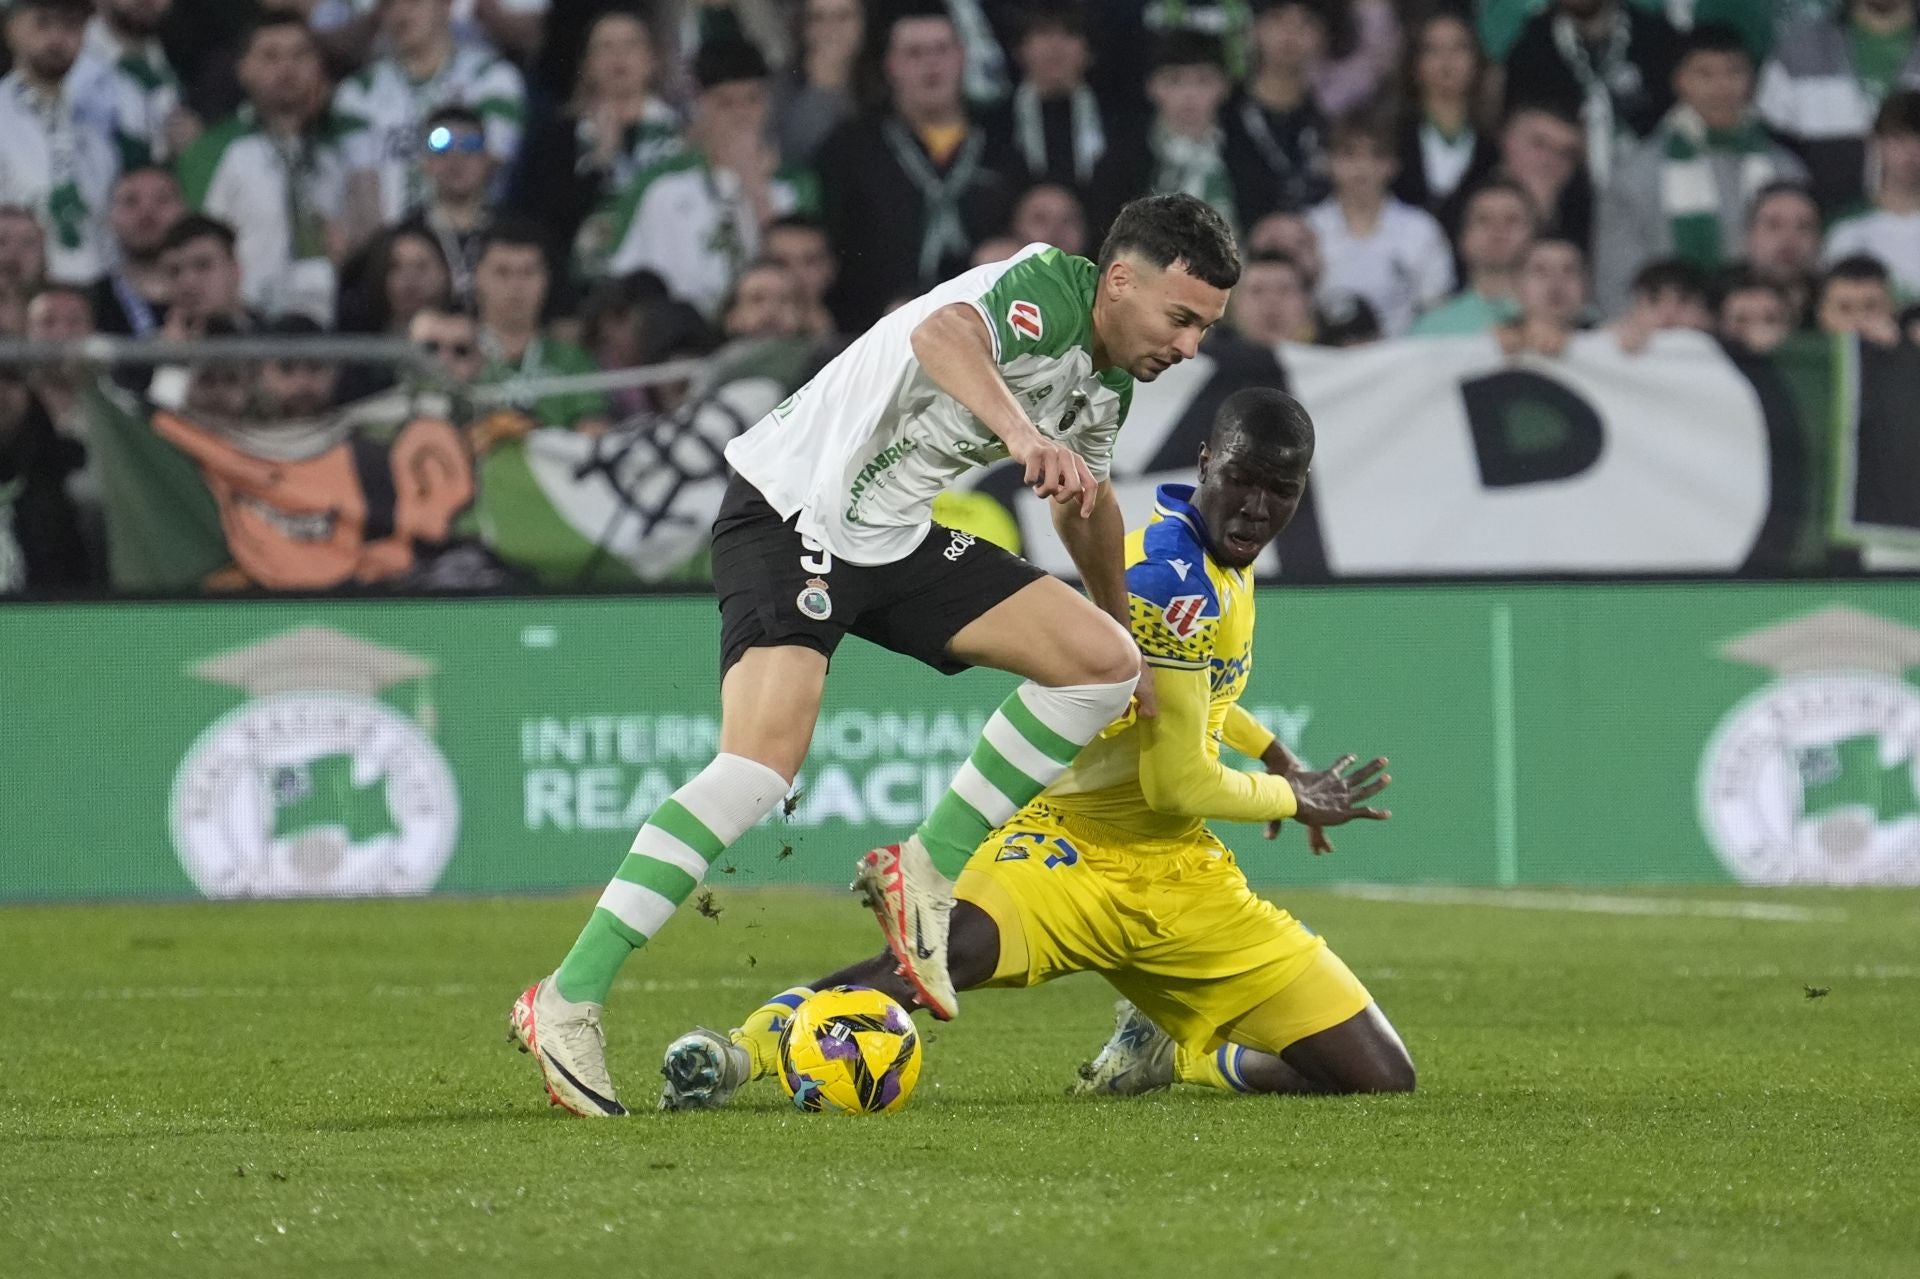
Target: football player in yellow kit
point(1113, 869)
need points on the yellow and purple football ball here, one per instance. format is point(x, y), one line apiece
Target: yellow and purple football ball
point(850, 1049)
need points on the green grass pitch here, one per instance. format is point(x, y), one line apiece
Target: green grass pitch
point(324, 1089)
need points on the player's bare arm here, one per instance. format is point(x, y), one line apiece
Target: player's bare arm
point(956, 352)
point(1097, 544)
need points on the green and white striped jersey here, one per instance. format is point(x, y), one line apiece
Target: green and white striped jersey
point(134, 90)
point(57, 161)
point(861, 451)
point(686, 221)
point(280, 197)
point(384, 109)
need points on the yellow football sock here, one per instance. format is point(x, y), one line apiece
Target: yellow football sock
point(1211, 1068)
point(760, 1033)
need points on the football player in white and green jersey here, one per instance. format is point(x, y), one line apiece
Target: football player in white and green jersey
point(386, 103)
point(827, 530)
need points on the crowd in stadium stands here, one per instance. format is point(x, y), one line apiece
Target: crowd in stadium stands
point(526, 188)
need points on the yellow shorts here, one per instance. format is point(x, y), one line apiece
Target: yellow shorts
point(1172, 925)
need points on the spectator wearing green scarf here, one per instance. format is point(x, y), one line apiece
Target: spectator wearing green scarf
point(1683, 193)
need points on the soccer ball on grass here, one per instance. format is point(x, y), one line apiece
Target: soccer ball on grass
point(850, 1049)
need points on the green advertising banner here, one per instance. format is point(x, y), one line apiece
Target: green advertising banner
point(1555, 734)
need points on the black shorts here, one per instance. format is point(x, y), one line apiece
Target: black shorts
point(774, 589)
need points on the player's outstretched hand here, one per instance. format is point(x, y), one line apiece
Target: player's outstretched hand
point(1334, 797)
point(1055, 471)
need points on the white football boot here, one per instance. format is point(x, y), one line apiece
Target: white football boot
point(914, 903)
point(567, 1041)
point(703, 1069)
point(1138, 1059)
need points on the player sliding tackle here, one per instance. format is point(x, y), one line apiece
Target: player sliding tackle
point(825, 531)
point(1114, 871)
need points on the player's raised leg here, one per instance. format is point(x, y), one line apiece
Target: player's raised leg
point(1081, 669)
point(770, 699)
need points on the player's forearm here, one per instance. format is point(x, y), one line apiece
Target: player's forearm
point(1179, 776)
point(956, 352)
point(1098, 546)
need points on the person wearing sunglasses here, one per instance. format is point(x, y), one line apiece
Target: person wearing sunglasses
point(459, 206)
point(450, 336)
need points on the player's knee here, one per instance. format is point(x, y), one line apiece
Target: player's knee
point(1397, 1077)
point(1107, 655)
point(1385, 1073)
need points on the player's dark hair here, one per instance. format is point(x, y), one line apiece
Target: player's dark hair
point(1671, 275)
point(198, 226)
point(1269, 420)
point(1165, 229)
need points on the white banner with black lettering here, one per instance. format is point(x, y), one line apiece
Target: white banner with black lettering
point(1446, 457)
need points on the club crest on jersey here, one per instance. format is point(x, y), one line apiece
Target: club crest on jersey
point(1183, 614)
point(1023, 317)
point(814, 600)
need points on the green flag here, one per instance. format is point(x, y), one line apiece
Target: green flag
point(163, 529)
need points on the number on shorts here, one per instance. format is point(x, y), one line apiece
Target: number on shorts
point(1065, 854)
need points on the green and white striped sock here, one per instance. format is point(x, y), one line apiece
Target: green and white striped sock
point(668, 860)
point(1026, 746)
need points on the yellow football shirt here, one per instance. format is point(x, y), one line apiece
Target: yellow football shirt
point(1188, 614)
